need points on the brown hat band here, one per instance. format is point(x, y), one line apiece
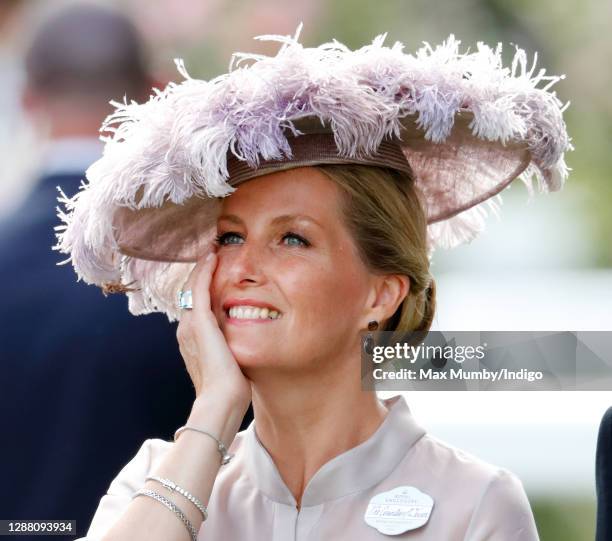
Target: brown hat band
point(314, 149)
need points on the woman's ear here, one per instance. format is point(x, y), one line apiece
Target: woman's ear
point(388, 293)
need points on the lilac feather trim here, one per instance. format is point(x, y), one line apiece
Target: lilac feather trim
point(174, 146)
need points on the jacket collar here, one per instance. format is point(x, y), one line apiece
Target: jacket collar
point(354, 470)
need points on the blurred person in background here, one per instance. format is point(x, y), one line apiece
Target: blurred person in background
point(82, 382)
point(16, 135)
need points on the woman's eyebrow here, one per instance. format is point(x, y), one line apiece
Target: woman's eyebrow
point(284, 218)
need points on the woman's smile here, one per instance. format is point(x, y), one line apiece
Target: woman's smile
point(240, 311)
point(248, 321)
point(243, 315)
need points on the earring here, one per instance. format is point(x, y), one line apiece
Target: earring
point(368, 343)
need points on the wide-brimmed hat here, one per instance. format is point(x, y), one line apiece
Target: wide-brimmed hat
point(460, 125)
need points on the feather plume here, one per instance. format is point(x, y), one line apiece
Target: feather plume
point(174, 146)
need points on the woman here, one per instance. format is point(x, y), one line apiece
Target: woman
point(327, 234)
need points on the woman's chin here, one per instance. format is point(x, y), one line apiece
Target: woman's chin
point(251, 352)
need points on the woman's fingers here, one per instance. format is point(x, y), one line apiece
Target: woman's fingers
point(199, 283)
point(201, 286)
point(209, 360)
point(191, 325)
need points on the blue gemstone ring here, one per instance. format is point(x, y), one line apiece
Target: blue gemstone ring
point(185, 300)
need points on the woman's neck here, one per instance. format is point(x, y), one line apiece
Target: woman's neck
point(306, 422)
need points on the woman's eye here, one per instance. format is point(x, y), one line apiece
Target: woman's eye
point(221, 239)
point(301, 240)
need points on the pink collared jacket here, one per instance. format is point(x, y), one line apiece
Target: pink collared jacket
point(473, 500)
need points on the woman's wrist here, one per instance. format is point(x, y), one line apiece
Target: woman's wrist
point(219, 414)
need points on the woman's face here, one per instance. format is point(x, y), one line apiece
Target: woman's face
point(282, 244)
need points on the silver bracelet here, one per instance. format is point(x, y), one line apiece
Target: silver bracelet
point(171, 485)
point(225, 456)
point(172, 506)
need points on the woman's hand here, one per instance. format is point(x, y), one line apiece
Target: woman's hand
point(209, 360)
point(222, 398)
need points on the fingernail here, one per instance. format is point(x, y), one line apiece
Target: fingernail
point(209, 256)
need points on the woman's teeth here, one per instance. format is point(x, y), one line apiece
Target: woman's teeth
point(253, 312)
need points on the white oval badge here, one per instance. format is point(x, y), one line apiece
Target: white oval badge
point(399, 510)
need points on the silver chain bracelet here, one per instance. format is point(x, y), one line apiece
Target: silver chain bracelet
point(172, 506)
point(171, 485)
point(225, 456)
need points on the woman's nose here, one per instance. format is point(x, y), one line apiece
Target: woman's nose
point(246, 263)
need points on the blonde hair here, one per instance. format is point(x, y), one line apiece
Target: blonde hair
point(382, 210)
